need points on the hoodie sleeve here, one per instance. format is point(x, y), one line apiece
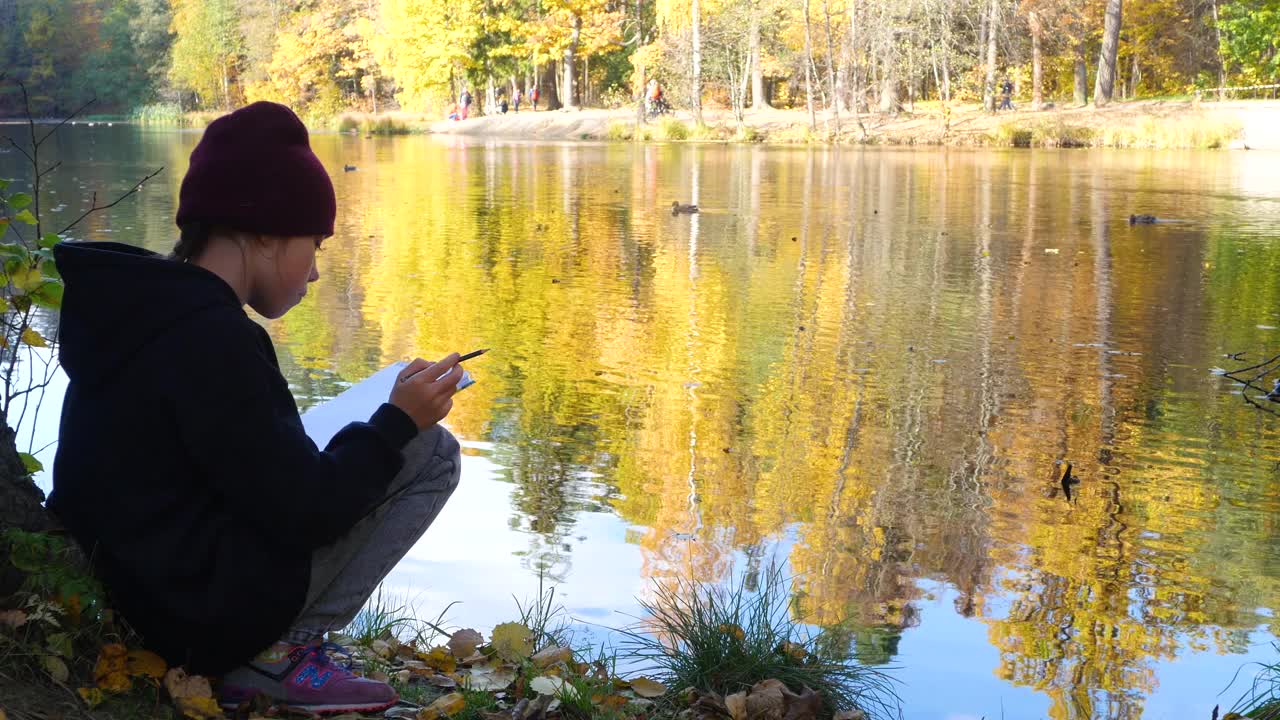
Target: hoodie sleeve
point(239, 423)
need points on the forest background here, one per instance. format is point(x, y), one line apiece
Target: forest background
point(161, 60)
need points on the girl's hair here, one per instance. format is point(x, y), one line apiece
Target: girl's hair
point(192, 241)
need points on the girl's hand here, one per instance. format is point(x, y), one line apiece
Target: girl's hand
point(427, 397)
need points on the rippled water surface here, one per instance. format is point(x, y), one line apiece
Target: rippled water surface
point(861, 365)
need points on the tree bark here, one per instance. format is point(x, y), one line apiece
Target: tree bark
point(569, 76)
point(1135, 74)
point(808, 67)
point(989, 84)
point(1222, 63)
point(1081, 85)
point(1037, 61)
point(833, 103)
point(696, 89)
point(1106, 79)
point(547, 82)
point(758, 99)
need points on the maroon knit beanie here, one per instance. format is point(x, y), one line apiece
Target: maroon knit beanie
point(254, 171)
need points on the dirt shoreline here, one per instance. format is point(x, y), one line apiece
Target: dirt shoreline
point(1249, 124)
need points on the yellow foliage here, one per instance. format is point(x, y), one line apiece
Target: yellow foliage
point(512, 641)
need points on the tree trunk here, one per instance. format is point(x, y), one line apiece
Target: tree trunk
point(696, 88)
point(1037, 61)
point(20, 504)
point(1081, 88)
point(569, 97)
point(547, 82)
point(808, 67)
point(758, 99)
point(1135, 73)
point(833, 102)
point(989, 84)
point(1106, 79)
point(1222, 63)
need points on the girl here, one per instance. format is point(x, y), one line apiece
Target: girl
point(225, 537)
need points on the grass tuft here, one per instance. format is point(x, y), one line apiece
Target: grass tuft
point(1263, 697)
point(726, 639)
point(673, 129)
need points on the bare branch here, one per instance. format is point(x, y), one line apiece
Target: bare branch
point(51, 168)
point(65, 120)
point(95, 207)
point(20, 148)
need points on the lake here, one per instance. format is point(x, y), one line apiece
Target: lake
point(859, 366)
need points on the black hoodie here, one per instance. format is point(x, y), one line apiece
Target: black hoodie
point(183, 468)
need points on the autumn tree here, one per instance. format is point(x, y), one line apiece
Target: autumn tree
point(207, 49)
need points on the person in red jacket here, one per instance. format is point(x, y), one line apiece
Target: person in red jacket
point(221, 532)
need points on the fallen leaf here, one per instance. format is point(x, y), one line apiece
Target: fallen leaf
point(92, 697)
point(792, 649)
point(181, 685)
point(382, 649)
point(13, 618)
point(852, 715)
point(551, 656)
point(547, 685)
point(378, 676)
point(805, 705)
point(55, 667)
point(463, 643)
point(614, 702)
point(199, 708)
point(144, 663)
point(737, 705)
point(439, 659)
point(445, 705)
point(512, 641)
point(110, 672)
point(766, 701)
point(490, 678)
point(442, 681)
point(731, 630)
point(646, 688)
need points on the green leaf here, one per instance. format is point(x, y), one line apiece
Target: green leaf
point(26, 217)
point(30, 462)
point(49, 295)
point(17, 201)
point(4, 225)
point(48, 240)
point(60, 644)
point(50, 269)
point(14, 249)
point(4, 183)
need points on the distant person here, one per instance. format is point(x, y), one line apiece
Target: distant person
point(464, 100)
point(534, 96)
point(453, 111)
point(502, 104)
point(515, 99)
point(1006, 90)
point(228, 539)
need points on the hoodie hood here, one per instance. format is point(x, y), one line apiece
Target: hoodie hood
point(118, 298)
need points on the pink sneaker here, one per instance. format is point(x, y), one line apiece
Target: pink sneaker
point(308, 679)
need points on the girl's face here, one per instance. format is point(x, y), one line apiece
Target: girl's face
point(280, 270)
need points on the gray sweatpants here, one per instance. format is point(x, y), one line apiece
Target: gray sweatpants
point(345, 574)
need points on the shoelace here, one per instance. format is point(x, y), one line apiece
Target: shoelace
point(323, 656)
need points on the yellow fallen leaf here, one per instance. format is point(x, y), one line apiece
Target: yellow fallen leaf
point(548, 685)
point(144, 663)
point(445, 705)
point(464, 642)
point(439, 659)
point(646, 688)
point(512, 641)
point(92, 696)
point(737, 705)
point(110, 672)
point(199, 708)
point(489, 678)
point(731, 630)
